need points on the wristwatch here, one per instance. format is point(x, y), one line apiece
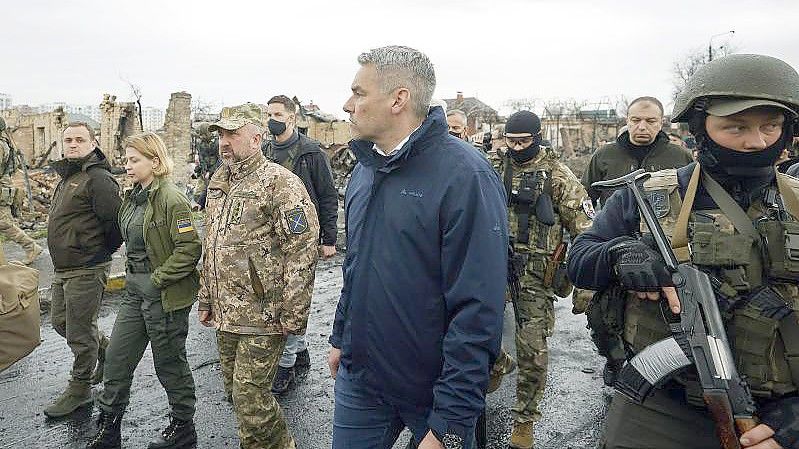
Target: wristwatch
point(452, 441)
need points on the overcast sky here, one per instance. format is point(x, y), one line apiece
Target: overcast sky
point(232, 51)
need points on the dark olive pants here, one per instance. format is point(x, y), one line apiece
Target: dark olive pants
point(142, 320)
point(76, 298)
point(664, 421)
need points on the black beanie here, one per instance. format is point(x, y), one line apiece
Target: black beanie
point(523, 122)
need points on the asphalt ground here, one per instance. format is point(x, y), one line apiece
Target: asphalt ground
point(573, 406)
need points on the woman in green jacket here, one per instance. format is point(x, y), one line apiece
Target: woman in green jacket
point(161, 282)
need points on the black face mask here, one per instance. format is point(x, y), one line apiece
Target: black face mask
point(522, 156)
point(719, 158)
point(454, 134)
point(276, 128)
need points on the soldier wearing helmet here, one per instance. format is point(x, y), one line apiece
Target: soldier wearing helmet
point(738, 225)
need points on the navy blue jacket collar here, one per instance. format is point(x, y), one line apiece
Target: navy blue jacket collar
point(433, 128)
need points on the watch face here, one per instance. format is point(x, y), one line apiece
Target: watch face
point(452, 441)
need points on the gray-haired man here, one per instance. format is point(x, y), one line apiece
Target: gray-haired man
point(419, 321)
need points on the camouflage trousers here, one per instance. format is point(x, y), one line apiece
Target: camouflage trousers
point(249, 363)
point(11, 231)
point(536, 308)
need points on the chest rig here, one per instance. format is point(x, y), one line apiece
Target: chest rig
point(752, 259)
point(530, 204)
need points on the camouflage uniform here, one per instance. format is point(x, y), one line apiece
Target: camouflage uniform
point(536, 300)
point(8, 229)
point(257, 278)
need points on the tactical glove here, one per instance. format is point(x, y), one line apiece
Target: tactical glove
point(638, 267)
point(783, 417)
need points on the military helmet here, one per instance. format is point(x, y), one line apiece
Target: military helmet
point(2, 124)
point(755, 77)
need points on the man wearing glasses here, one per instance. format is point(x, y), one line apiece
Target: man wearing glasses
point(544, 196)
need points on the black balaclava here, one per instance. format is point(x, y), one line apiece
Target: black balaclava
point(524, 122)
point(718, 159)
point(743, 174)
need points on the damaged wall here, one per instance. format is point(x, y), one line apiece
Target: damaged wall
point(177, 135)
point(118, 120)
point(38, 136)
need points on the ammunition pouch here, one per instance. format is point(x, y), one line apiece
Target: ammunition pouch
point(709, 247)
point(781, 242)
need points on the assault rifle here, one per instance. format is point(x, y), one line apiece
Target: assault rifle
point(698, 337)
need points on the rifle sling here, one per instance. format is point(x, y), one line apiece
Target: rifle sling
point(679, 240)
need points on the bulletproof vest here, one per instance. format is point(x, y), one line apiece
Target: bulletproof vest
point(738, 263)
point(524, 183)
point(289, 161)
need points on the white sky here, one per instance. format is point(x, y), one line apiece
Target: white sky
point(230, 52)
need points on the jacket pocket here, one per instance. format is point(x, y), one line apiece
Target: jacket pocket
point(263, 286)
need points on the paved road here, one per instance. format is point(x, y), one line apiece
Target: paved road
point(573, 405)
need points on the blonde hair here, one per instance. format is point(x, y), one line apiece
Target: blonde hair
point(150, 145)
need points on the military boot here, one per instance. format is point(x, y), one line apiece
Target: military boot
point(97, 377)
point(77, 395)
point(522, 435)
point(504, 365)
point(108, 432)
point(177, 435)
point(283, 380)
point(32, 253)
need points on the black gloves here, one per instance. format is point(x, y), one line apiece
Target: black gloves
point(638, 267)
point(783, 417)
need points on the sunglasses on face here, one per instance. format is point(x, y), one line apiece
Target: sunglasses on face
point(516, 141)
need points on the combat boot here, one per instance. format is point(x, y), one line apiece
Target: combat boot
point(108, 432)
point(32, 253)
point(177, 435)
point(77, 395)
point(611, 371)
point(97, 377)
point(522, 436)
point(303, 359)
point(283, 380)
point(504, 365)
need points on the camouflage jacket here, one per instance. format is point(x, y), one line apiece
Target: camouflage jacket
point(569, 199)
point(260, 249)
point(5, 162)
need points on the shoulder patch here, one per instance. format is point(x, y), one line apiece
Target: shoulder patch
point(296, 220)
point(184, 225)
point(659, 200)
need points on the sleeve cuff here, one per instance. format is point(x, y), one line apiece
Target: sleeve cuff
point(335, 341)
point(203, 306)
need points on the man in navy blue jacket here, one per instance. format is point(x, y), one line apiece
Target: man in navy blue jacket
point(419, 321)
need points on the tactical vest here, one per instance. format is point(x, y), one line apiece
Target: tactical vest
point(739, 263)
point(287, 163)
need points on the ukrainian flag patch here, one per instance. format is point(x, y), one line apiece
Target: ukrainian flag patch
point(185, 225)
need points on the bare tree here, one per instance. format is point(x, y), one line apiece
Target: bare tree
point(684, 68)
point(522, 104)
point(135, 90)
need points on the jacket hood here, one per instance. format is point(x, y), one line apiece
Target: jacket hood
point(433, 128)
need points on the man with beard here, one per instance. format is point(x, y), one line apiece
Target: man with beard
point(257, 275)
point(732, 217)
point(642, 145)
point(532, 173)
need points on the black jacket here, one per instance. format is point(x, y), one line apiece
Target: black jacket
point(312, 166)
point(82, 230)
